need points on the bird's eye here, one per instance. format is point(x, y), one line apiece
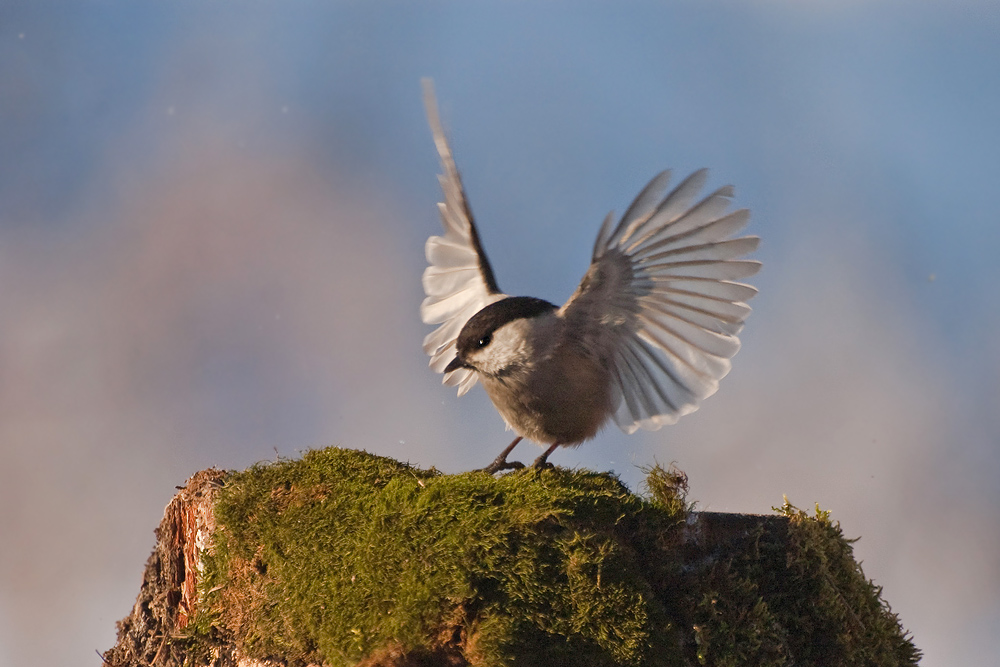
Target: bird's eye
point(484, 341)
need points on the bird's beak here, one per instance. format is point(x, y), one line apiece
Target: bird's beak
point(455, 364)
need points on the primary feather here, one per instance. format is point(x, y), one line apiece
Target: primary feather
point(660, 299)
point(459, 280)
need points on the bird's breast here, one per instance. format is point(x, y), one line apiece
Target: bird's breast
point(562, 397)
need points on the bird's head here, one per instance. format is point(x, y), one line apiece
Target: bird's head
point(495, 340)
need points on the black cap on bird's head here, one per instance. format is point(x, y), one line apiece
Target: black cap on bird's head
point(478, 331)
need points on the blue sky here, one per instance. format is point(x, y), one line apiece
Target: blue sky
point(212, 219)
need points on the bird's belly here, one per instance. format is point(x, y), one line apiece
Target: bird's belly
point(565, 402)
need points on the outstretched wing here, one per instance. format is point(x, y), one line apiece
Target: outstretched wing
point(660, 301)
point(459, 281)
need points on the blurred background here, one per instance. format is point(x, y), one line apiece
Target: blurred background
point(212, 217)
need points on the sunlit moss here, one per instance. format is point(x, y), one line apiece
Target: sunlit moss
point(342, 554)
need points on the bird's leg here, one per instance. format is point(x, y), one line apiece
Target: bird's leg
point(501, 462)
point(541, 461)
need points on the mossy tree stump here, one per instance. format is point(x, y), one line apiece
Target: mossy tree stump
point(346, 558)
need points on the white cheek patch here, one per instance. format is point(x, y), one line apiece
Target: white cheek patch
point(510, 347)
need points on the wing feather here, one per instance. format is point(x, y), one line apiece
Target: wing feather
point(722, 290)
point(684, 329)
point(643, 206)
point(658, 401)
point(459, 280)
point(629, 380)
point(707, 320)
point(703, 270)
point(660, 301)
point(675, 203)
point(731, 313)
point(722, 228)
point(717, 250)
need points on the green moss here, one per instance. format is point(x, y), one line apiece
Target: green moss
point(835, 603)
point(343, 553)
point(667, 488)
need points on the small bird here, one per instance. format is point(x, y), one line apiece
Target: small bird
point(645, 338)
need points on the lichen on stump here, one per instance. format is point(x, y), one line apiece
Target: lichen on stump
point(346, 558)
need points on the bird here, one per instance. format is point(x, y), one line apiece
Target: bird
point(646, 336)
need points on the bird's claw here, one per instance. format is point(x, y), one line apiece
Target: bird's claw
point(541, 463)
point(501, 464)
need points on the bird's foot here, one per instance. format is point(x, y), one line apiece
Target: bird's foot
point(542, 462)
point(501, 463)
